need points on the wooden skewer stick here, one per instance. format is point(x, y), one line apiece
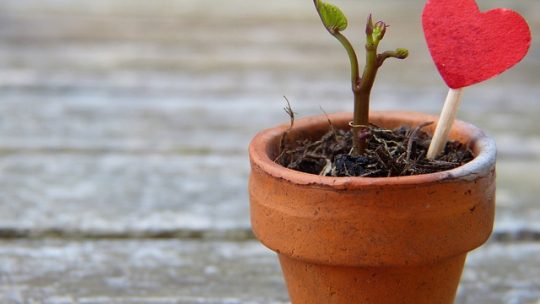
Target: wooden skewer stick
point(448, 115)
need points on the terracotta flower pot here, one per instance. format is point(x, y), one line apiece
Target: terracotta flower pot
point(372, 240)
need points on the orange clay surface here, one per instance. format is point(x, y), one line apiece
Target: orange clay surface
point(372, 240)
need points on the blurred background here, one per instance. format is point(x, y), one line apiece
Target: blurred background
point(124, 127)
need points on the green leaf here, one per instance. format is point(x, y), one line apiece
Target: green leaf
point(332, 17)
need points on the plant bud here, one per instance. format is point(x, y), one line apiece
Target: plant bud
point(369, 26)
point(379, 30)
point(402, 53)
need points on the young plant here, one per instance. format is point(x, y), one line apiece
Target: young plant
point(335, 22)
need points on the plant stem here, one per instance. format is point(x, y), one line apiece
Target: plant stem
point(361, 119)
point(361, 102)
point(362, 92)
point(371, 69)
point(335, 21)
point(362, 96)
point(355, 70)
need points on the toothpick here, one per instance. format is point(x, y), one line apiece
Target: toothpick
point(448, 115)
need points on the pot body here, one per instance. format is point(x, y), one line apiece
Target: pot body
point(372, 240)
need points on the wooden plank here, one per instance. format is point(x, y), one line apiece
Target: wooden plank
point(159, 124)
point(172, 271)
point(123, 119)
point(123, 194)
point(179, 36)
point(54, 271)
point(109, 193)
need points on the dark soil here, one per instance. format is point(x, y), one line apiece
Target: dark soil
point(399, 152)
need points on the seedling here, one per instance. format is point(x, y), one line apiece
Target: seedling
point(467, 45)
point(335, 23)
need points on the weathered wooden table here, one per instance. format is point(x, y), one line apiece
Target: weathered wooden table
point(123, 134)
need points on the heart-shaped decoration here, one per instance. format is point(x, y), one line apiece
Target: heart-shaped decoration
point(469, 46)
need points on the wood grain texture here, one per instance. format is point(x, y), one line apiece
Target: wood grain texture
point(114, 114)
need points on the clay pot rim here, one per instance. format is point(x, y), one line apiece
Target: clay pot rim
point(483, 145)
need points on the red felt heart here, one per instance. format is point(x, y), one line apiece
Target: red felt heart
point(469, 46)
